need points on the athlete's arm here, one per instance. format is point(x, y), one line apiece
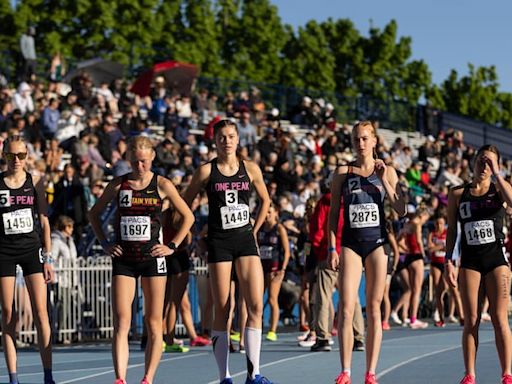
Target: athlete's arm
point(42, 208)
point(394, 246)
point(199, 180)
point(504, 189)
point(109, 194)
point(390, 183)
point(451, 234)
point(334, 216)
point(256, 176)
point(286, 245)
point(167, 189)
point(419, 238)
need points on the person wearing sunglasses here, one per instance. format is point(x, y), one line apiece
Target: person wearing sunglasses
point(22, 206)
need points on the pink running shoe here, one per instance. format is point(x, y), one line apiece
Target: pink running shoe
point(468, 379)
point(119, 381)
point(370, 378)
point(385, 326)
point(418, 324)
point(343, 378)
point(200, 342)
point(144, 381)
point(506, 379)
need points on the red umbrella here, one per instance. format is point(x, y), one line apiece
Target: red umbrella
point(179, 77)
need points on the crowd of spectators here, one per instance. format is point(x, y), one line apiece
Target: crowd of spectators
point(77, 136)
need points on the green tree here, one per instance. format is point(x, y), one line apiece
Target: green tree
point(7, 26)
point(228, 26)
point(259, 43)
point(309, 61)
point(474, 95)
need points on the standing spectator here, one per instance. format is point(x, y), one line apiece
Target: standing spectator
point(57, 68)
point(28, 52)
point(51, 116)
point(70, 200)
point(247, 132)
point(64, 253)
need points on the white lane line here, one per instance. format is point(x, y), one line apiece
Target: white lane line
point(268, 365)
point(411, 360)
point(130, 367)
point(54, 372)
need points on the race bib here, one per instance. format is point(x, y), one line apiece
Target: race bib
point(161, 265)
point(266, 252)
point(364, 215)
point(18, 222)
point(479, 232)
point(234, 216)
point(5, 198)
point(135, 228)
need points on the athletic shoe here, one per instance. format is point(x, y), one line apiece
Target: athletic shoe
point(176, 348)
point(200, 342)
point(235, 336)
point(343, 378)
point(394, 316)
point(436, 316)
point(331, 341)
point(241, 349)
point(303, 328)
point(468, 379)
point(144, 381)
point(452, 319)
point(418, 324)
point(506, 379)
point(271, 336)
point(119, 381)
point(385, 326)
point(303, 336)
point(258, 380)
point(321, 346)
point(227, 380)
point(334, 332)
point(485, 316)
point(308, 342)
point(406, 322)
point(370, 378)
point(440, 324)
point(358, 346)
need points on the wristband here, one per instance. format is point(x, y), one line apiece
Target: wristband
point(47, 257)
point(172, 245)
point(332, 249)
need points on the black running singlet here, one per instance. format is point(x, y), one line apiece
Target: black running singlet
point(228, 200)
point(139, 219)
point(18, 224)
point(270, 245)
point(481, 219)
point(363, 208)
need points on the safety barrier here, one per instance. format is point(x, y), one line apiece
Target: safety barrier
point(79, 302)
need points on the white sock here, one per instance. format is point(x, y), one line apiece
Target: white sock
point(252, 351)
point(220, 344)
point(347, 371)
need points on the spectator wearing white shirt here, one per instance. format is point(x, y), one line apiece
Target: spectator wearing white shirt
point(23, 98)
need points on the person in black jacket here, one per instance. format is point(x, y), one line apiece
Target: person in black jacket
point(70, 200)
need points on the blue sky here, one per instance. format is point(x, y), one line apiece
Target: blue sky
point(447, 34)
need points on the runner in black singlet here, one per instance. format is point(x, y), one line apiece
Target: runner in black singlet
point(25, 241)
point(228, 181)
point(479, 206)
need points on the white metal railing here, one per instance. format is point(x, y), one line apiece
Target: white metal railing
point(79, 301)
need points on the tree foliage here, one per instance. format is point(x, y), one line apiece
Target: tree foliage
point(247, 40)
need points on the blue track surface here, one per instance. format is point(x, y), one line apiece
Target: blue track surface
point(425, 356)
